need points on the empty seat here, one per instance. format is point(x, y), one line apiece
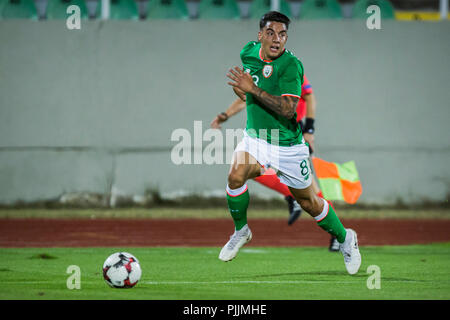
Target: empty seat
point(18, 9)
point(218, 9)
point(259, 7)
point(167, 9)
point(320, 9)
point(360, 9)
point(57, 9)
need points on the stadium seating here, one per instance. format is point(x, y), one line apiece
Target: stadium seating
point(57, 9)
point(120, 9)
point(360, 9)
point(418, 15)
point(2, 2)
point(218, 9)
point(320, 9)
point(167, 9)
point(18, 9)
point(260, 7)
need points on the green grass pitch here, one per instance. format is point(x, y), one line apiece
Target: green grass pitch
point(258, 273)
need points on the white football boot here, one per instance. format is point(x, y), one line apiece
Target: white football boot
point(350, 250)
point(237, 240)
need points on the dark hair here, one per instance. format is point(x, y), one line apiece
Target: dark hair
point(274, 16)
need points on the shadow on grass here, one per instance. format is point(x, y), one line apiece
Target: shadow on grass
point(44, 256)
point(293, 274)
point(333, 273)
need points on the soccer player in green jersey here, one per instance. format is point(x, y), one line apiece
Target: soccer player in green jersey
point(271, 81)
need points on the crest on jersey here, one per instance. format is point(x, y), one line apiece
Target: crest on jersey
point(267, 70)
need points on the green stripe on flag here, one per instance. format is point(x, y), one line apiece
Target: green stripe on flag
point(347, 171)
point(331, 188)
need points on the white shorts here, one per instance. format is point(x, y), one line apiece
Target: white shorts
point(290, 163)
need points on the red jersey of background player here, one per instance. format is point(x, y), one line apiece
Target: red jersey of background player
point(301, 106)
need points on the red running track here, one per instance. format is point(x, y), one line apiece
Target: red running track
point(209, 232)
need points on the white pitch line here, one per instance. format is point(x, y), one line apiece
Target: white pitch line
point(244, 282)
point(274, 282)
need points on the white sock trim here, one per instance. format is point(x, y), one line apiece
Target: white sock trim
point(236, 192)
point(324, 212)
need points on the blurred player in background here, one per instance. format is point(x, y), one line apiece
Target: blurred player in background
point(306, 108)
point(271, 80)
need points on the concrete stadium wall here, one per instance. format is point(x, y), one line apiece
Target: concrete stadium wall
point(94, 109)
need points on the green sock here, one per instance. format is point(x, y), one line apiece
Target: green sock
point(237, 204)
point(331, 223)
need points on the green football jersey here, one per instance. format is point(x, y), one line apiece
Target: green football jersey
point(282, 76)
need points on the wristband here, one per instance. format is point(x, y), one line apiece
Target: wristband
point(225, 115)
point(309, 126)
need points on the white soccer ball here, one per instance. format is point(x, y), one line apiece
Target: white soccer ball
point(122, 270)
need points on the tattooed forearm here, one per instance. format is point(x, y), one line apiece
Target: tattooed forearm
point(284, 105)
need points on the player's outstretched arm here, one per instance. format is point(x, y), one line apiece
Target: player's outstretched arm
point(282, 105)
point(237, 106)
point(308, 127)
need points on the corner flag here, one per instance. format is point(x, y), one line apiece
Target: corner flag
point(338, 181)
